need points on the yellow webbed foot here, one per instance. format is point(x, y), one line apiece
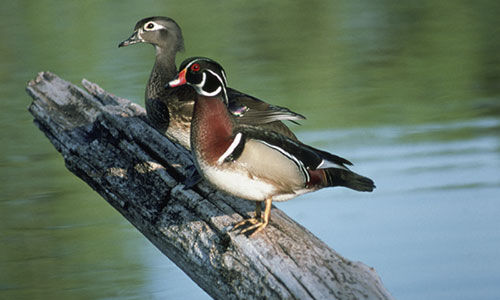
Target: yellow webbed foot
point(256, 224)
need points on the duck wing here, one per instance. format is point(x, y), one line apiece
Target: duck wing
point(304, 155)
point(253, 111)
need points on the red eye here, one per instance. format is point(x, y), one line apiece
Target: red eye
point(195, 67)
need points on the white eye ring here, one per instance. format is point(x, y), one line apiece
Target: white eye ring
point(152, 26)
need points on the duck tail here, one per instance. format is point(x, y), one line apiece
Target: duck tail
point(349, 179)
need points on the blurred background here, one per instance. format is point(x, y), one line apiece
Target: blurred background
point(407, 90)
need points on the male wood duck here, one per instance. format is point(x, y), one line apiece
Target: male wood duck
point(252, 162)
point(170, 110)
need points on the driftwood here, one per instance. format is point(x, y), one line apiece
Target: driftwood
point(106, 141)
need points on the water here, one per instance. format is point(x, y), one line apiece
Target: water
point(433, 221)
point(409, 92)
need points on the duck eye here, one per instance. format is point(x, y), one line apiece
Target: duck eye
point(149, 25)
point(195, 67)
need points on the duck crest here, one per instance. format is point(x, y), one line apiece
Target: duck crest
point(212, 128)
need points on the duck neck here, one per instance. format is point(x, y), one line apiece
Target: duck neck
point(163, 71)
point(211, 128)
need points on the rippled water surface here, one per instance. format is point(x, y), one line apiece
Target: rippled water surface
point(410, 92)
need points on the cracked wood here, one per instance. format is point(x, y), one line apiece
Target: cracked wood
point(107, 142)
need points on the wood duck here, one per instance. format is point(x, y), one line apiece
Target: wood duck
point(170, 110)
point(252, 162)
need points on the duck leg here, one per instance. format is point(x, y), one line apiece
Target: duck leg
point(258, 209)
point(257, 223)
point(253, 220)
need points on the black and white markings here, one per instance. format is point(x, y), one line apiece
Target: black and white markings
point(229, 151)
point(298, 162)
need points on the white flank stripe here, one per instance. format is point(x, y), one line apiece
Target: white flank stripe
point(299, 164)
point(230, 149)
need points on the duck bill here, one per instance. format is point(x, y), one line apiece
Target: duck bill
point(133, 39)
point(180, 80)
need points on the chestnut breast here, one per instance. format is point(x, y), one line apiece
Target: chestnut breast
point(211, 129)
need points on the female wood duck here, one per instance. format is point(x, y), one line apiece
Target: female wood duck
point(170, 110)
point(252, 162)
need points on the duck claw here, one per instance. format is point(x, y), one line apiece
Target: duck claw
point(255, 224)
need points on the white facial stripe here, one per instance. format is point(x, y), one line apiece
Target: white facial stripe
point(202, 83)
point(224, 75)
point(156, 26)
point(212, 93)
point(299, 164)
point(218, 77)
point(209, 60)
point(199, 86)
point(230, 149)
point(189, 64)
point(194, 61)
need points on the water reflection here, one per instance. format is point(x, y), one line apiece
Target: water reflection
point(407, 91)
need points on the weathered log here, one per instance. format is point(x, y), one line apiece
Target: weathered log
point(106, 141)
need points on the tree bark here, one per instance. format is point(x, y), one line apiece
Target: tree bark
point(106, 141)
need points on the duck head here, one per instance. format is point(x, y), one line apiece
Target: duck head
point(205, 75)
point(161, 32)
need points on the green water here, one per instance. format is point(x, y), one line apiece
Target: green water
point(409, 91)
